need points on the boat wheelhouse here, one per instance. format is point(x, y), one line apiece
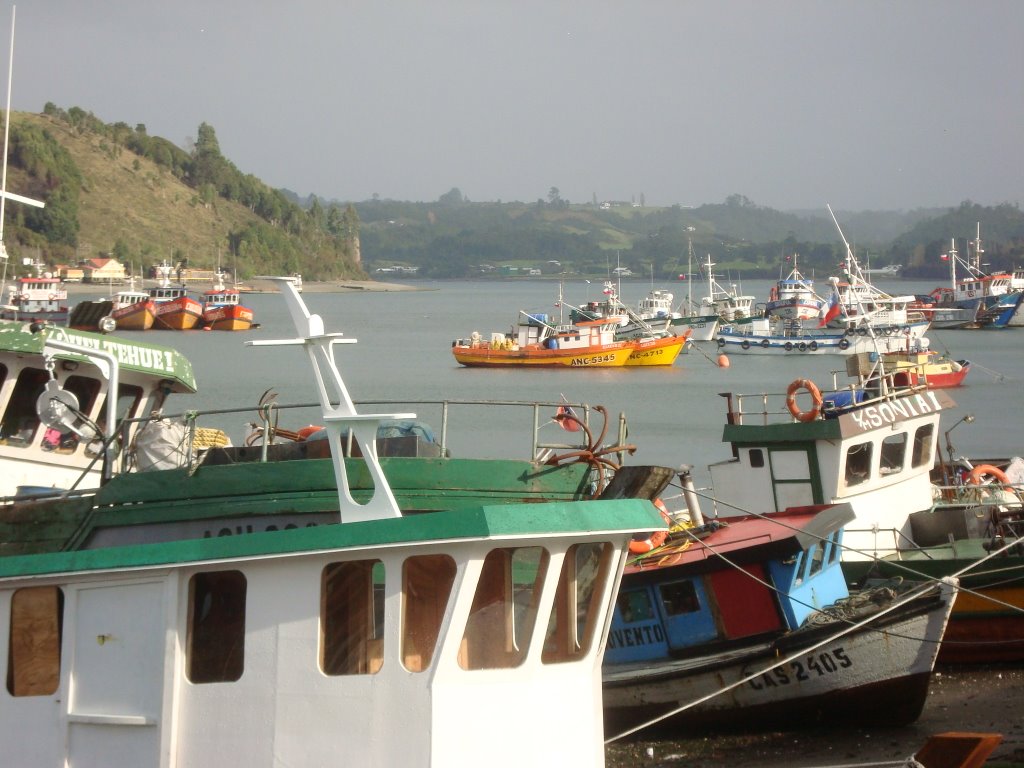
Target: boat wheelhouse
point(56, 403)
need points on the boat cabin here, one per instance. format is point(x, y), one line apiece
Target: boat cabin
point(875, 453)
point(37, 454)
point(733, 581)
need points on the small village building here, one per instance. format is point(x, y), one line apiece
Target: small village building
point(103, 271)
point(70, 274)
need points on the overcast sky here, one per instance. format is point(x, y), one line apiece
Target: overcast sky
point(866, 104)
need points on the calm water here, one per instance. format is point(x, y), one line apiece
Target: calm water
point(675, 415)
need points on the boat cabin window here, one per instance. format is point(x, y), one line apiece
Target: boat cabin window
point(581, 586)
point(756, 458)
point(33, 650)
point(20, 421)
point(215, 645)
point(679, 597)
point(426, 586)
point(352, 618)
point(858, 463)
point(835, 546)
point(815, 558)
point(635, 605)
point(891, 457)
point(924, 439)
point(504, 610)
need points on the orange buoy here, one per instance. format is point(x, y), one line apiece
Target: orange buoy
point(983, 470)
point(723, 360)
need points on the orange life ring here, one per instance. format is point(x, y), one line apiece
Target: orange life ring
point(815, 394)
point(987, 469)
point(655, 539)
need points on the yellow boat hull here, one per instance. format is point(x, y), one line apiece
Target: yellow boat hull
point(483, 355)
point(657, 351)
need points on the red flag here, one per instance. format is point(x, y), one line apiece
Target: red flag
point(944, 257)
point(567, 419)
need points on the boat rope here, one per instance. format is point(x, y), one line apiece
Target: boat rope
point(910, 596)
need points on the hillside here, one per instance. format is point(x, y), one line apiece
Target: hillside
point(128, 204)
point(130, 199)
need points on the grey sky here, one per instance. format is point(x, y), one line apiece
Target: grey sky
point(868, 104)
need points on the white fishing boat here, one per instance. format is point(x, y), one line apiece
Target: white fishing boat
point(304, 645)
point(857, 317)
point(727, 303)
point(793, 297)
point(689, 316)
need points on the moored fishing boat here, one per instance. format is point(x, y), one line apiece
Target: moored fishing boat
point(630, 324)
point(874, 445)
point(727, 303)
point(994, 298)
point(793, 297)
point(701, 322)
point(539, 340)
point(534, 341)
point(749, 623)
point(925, 367)
point(303, 641)
point(222, 308)
point(774, 335)
point(174, 309)
point(41, 299)
point(133, 310)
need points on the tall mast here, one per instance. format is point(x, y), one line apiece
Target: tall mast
point(7, 132)
point(4, 194)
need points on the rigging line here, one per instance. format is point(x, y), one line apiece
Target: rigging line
point(914, 594)
point(896, 564)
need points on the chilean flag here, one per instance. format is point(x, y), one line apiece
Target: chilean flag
point(831, 310)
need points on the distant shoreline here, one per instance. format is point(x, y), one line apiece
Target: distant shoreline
point(260, 286)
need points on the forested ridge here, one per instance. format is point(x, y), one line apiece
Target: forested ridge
point(113, 189)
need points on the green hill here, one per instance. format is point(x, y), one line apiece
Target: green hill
point(113, 190)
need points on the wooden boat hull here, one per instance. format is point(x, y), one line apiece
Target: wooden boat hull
point(987, 623)
point(701, 327)
point(663, 351)
point(177, 315)
point(137, 317)
point(228, 318)
point(484, 356)
point(866, 676)
point(937, 375)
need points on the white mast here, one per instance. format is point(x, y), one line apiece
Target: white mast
point(4, 194)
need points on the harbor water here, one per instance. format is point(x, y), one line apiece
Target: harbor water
point(675, 414)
